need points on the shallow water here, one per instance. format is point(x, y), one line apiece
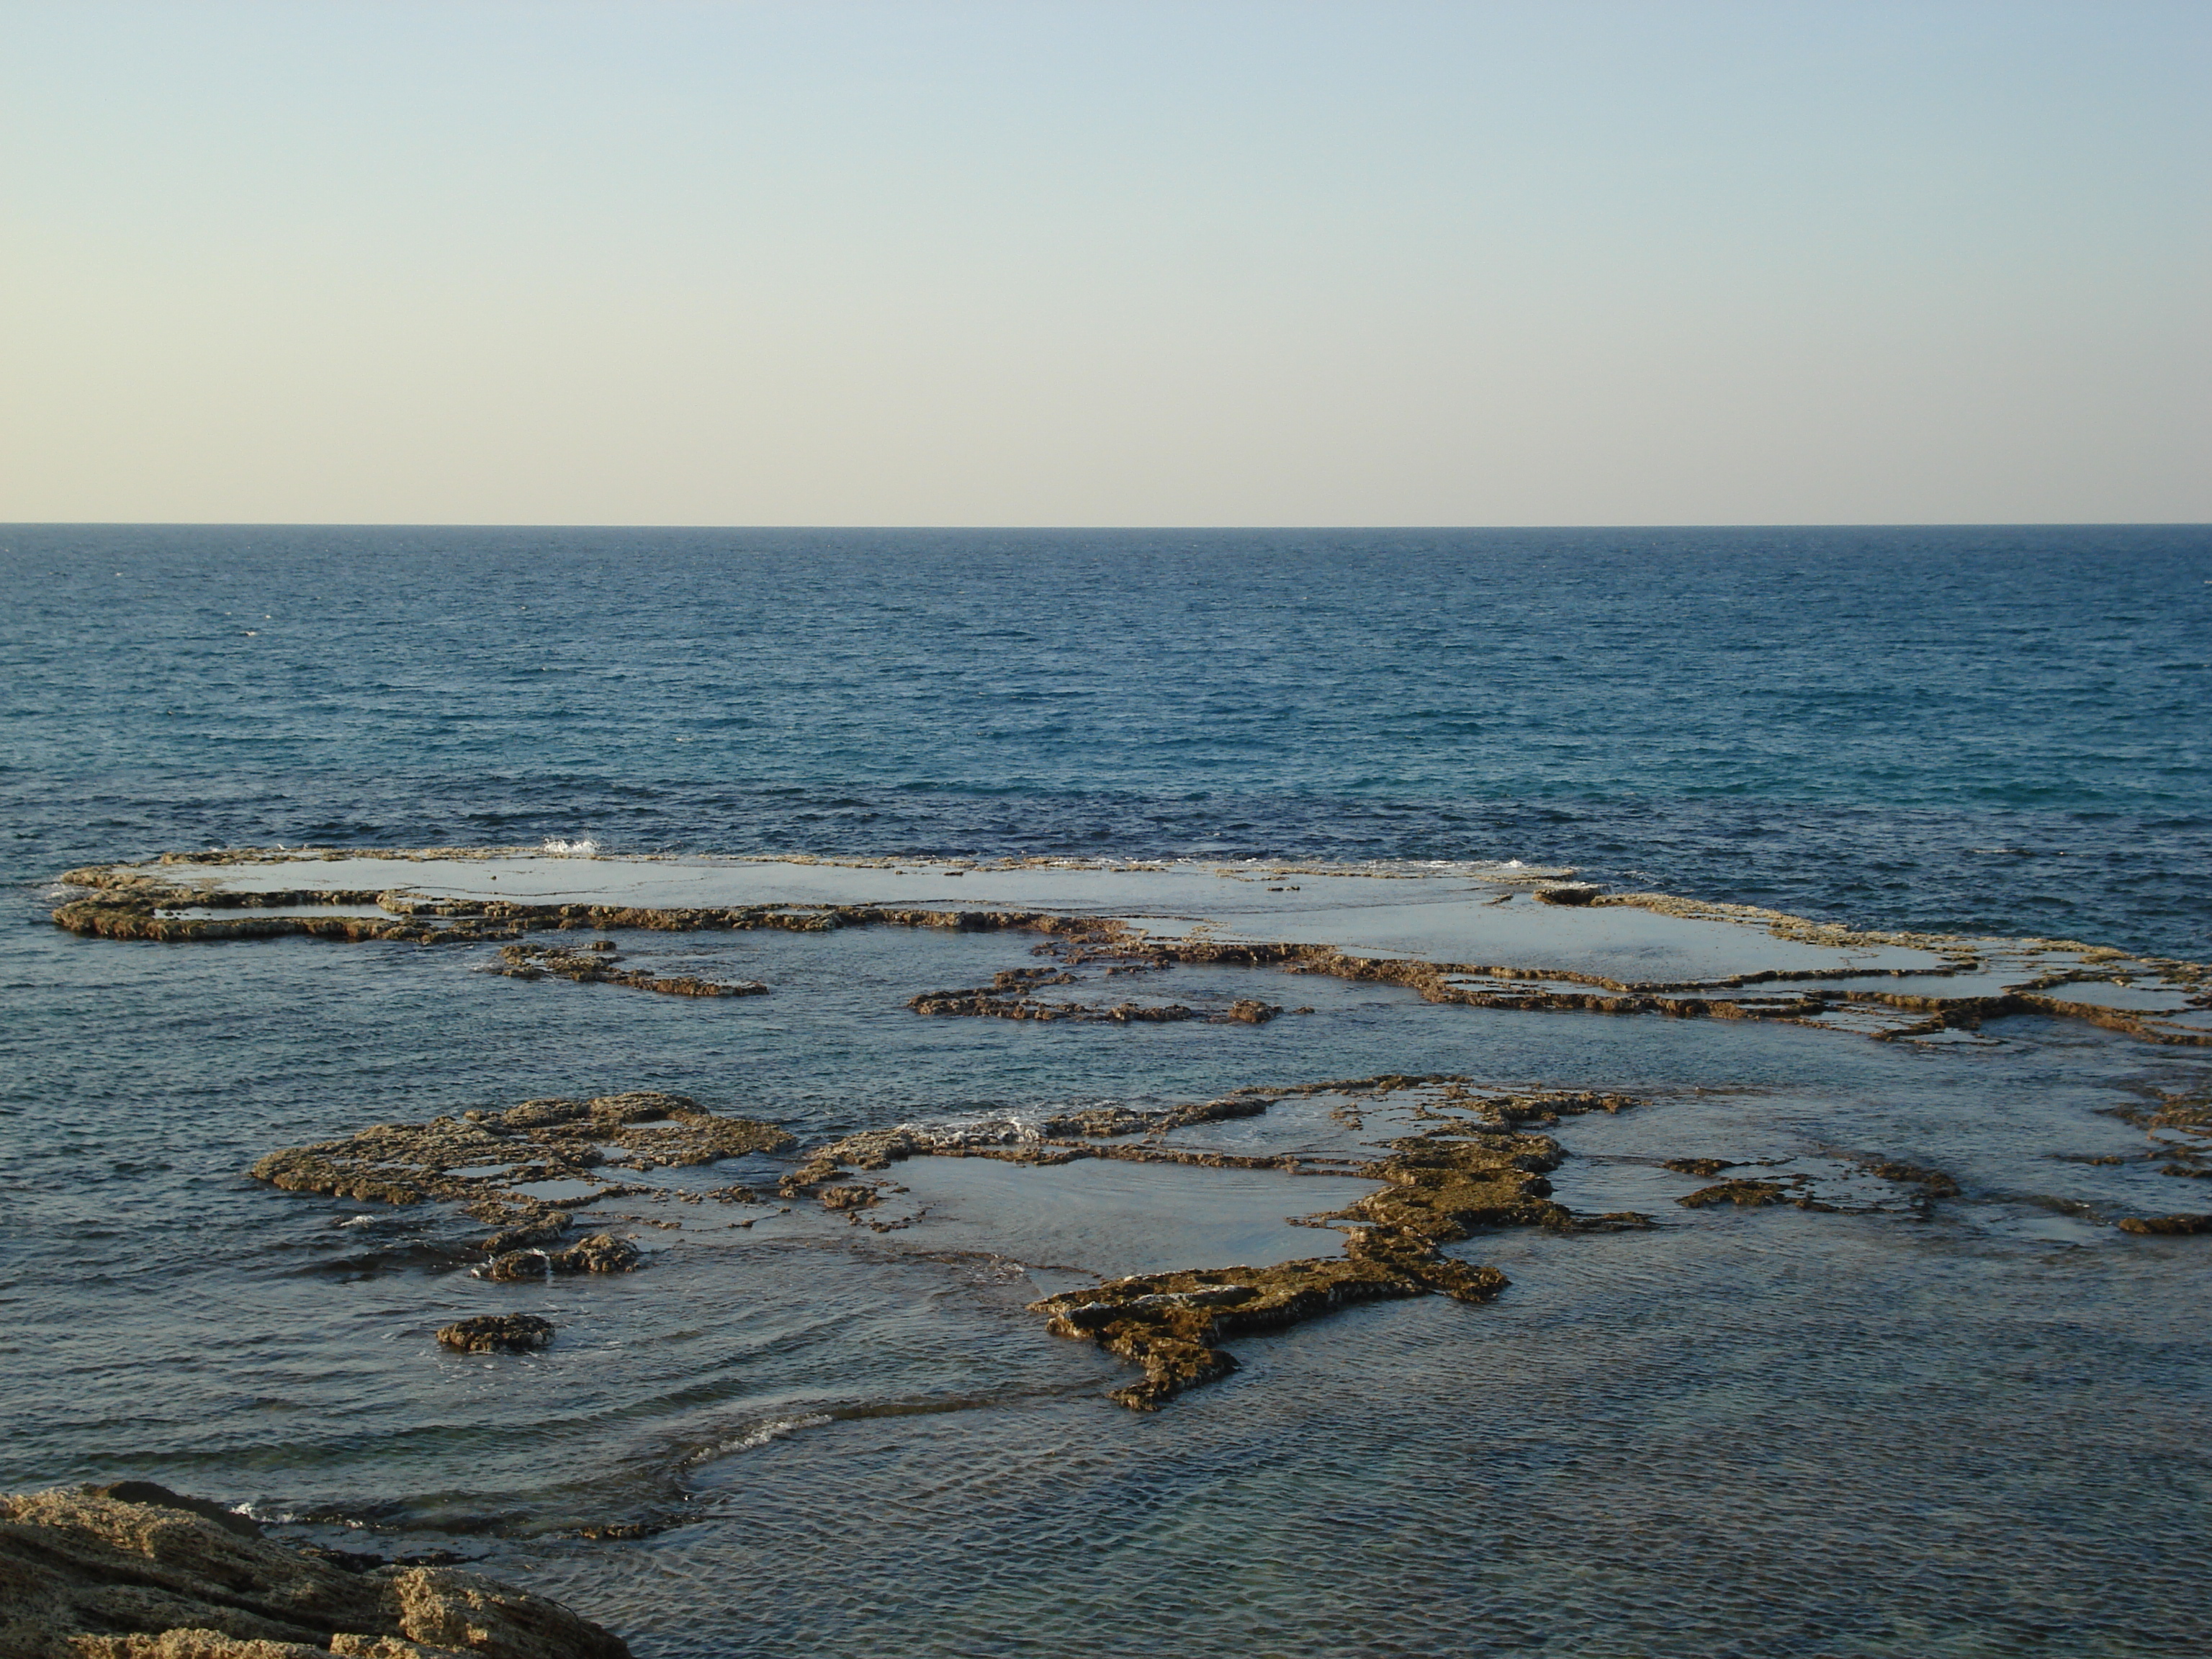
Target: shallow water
point(1981, 1430)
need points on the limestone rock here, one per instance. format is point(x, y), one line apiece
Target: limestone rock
point(88, 1576)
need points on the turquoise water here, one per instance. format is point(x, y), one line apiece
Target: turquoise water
point(1745, 1433)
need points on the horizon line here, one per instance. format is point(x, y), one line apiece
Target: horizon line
point(1068, 529)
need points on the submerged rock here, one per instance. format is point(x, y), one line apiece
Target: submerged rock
point(597, 966)
point(1008, 997)
point(1700, 1166)
point(88, 1576)
point(1933, 1183)
point(497, 1334)
point(1749, 1194)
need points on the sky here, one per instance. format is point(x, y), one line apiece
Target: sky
point(1105, 262)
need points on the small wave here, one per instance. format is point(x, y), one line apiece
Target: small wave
point(570, 849)
point(760, 1434)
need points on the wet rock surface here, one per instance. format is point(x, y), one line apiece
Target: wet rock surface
point(1472, 1171)
point(480, 1157)
point(2060, 977)
point(602, 1253)
point(2168, 1224)
point(1012, 995)
point(1168, 1323)
point(1698, 1166)
point(600, 964)
point(157, 1577)
point(1744, 1194)
point(497, 1334)
point(1058, 1138)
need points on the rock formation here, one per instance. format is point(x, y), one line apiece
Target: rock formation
point(139, 1572)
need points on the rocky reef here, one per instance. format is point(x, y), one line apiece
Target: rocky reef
point(1476, 1161)
point(1474, 1169)
point(1441, 1186)
point(175, 899)
point(134, 1572)
point(481, 1160)
point(480, 1156)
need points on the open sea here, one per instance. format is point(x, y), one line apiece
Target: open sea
point(1777, 1432)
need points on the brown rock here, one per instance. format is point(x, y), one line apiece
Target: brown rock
point(1250, 1011)
point(1568, 892)
point(1698, 1166)
point(1750, 1195)
point(2164, 1223)
point(497, 1334)
point(86, 1577)
point(602, 1253)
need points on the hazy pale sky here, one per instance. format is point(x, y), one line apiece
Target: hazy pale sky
point(1105, 262)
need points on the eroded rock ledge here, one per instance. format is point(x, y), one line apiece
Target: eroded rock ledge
point(480, 1159)
point(1441, 1186)
point(162, 901)
point(1474, 1170)
point(137, 1572)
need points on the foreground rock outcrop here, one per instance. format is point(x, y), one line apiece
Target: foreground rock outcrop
point(92, 1574)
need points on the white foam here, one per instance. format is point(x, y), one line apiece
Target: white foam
point(761, 1434)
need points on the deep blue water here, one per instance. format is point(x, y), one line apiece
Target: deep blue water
point(1964, 729)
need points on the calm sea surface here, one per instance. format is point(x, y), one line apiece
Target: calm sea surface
point(1772, 1432)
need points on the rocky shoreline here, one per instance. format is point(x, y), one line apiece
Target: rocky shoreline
point(136, 1571)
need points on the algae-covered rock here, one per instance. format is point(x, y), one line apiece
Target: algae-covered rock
point(2164, 1223)
point(1934, 1183)
point(602, 1253)
point(88, 1576)
point(598, 965)
point(1168, 1323)
point(1748, 1195)
point(480, 1156)
point(1699, 1166)
point(497, 1334)
point(1444, 1186)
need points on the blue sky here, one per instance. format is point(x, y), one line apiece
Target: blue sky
point(1059, 263)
